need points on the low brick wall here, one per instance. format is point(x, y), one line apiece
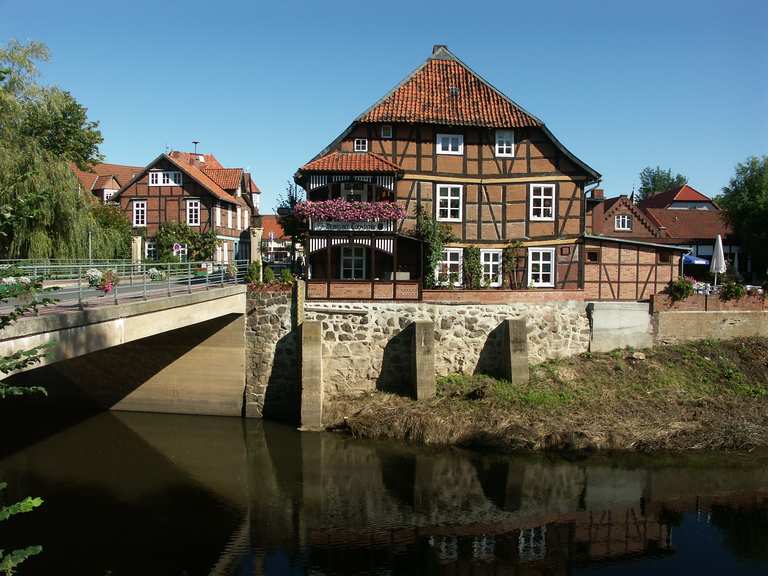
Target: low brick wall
point(365, 346)
point(673, 326)
point(704, 303)
point(496, 296)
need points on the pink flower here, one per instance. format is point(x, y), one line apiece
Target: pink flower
point(344, 211)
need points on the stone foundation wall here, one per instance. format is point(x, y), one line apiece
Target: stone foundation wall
point(365, 346)
point(272, 356)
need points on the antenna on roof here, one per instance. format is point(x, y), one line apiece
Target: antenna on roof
point(195, 142)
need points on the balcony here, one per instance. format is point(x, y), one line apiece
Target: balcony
point(340, 215)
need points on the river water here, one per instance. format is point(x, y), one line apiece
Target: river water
point(142, 494)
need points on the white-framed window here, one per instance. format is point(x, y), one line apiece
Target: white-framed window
point(450, 267)
point(386, 131)
point(239, 217)
point(541, 267)
point(229, 216)
point(217, 213)
point(542, 202)
point(181, 251)
point(164, 178)
point(225, 252)
point(139, 209)
point(449, 202)
point(450, 144)
point(150, 250)
point(218, 253)
point(532, 544)
point(354, 191)
point(353, 262)
point(505, 143)
point(246, 219)
point(361, 145)
point(622, 222)
point(491, 262)
point(193, 212)
point(108, 195)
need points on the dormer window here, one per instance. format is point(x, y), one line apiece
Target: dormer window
point(622, 223)
point(450, 144)
point(164, 178)
point(386, 131)
point(505, 143)
point(361, 145)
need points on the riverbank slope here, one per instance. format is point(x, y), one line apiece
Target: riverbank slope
point(706, 395)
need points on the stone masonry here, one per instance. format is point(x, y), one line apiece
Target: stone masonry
point(272, 357)
point(365, 346)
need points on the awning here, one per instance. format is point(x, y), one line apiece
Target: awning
point(691, 259)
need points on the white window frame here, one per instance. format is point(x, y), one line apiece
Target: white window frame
point(229, 217)
point(350, 257)
point(446, 191)
point(217, 213)
point(361, 144)
point(150, 246)
point(139, 213)
point(622, 223)
point(386, 131)
point(165, 178)
point(531, 261)
point(193, 211)
point(446, 261)
point(449, 140)
point(182, 252)
point(505, 144)
point(538, 194)
point(494, 257)
point(246, 219)
point(108, 194)
point(239, 216)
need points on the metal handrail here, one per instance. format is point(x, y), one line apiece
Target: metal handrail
point(77, 286)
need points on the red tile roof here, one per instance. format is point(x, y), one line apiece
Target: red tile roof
point(350, 162)
point(90, 179)
point(227, 178)
point(684, 193)
point(681, 225)
point(217, 191)
point(444, 90)
point(271, 225)
point(209, 160)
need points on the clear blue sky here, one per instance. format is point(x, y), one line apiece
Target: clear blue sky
point(266, 85)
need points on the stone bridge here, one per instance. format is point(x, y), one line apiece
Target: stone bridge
point(183, 354)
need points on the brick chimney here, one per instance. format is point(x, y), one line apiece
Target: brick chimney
point(598, 194)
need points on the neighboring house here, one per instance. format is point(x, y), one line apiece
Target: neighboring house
point(447, 141)
point(194, 189)
point(682, 216)
point(102, 181)
point(276, 247)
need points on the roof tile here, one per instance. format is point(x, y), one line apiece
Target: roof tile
point(350, 162)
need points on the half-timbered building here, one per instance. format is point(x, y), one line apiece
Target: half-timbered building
point(194, 189)
point(446, 142)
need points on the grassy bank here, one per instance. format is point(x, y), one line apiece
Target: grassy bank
point(695, 396)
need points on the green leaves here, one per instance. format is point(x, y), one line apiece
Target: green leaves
point(200, 245)
point(10, 560)
point(434, 236)
point(655, 180)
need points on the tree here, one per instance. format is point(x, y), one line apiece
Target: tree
point(655, 180)
point(434, 235)
point(745, 202)
point(43, 212)
point(293, 227)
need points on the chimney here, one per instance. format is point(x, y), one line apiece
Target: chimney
point(598, 194)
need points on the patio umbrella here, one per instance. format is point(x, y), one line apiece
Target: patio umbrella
point(717, 264)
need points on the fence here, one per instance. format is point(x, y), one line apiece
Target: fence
point(87, 283)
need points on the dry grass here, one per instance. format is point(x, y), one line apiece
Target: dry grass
point(703, 395)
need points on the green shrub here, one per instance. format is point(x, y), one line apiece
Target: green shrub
point(286, 277)
point(254, 273)
point(473, 268)
point(269, 276)
point(680, 289)
point(732, 291)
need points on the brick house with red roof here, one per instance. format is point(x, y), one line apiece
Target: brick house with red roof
point(102, 181)
point(681, 215)
point(194, 189)
point(447, 142)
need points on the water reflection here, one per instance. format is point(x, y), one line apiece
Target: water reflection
point(158, 494)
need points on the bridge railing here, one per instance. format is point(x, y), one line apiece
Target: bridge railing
point(82, 284)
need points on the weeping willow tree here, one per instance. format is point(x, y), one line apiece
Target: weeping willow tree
point(43, 211)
